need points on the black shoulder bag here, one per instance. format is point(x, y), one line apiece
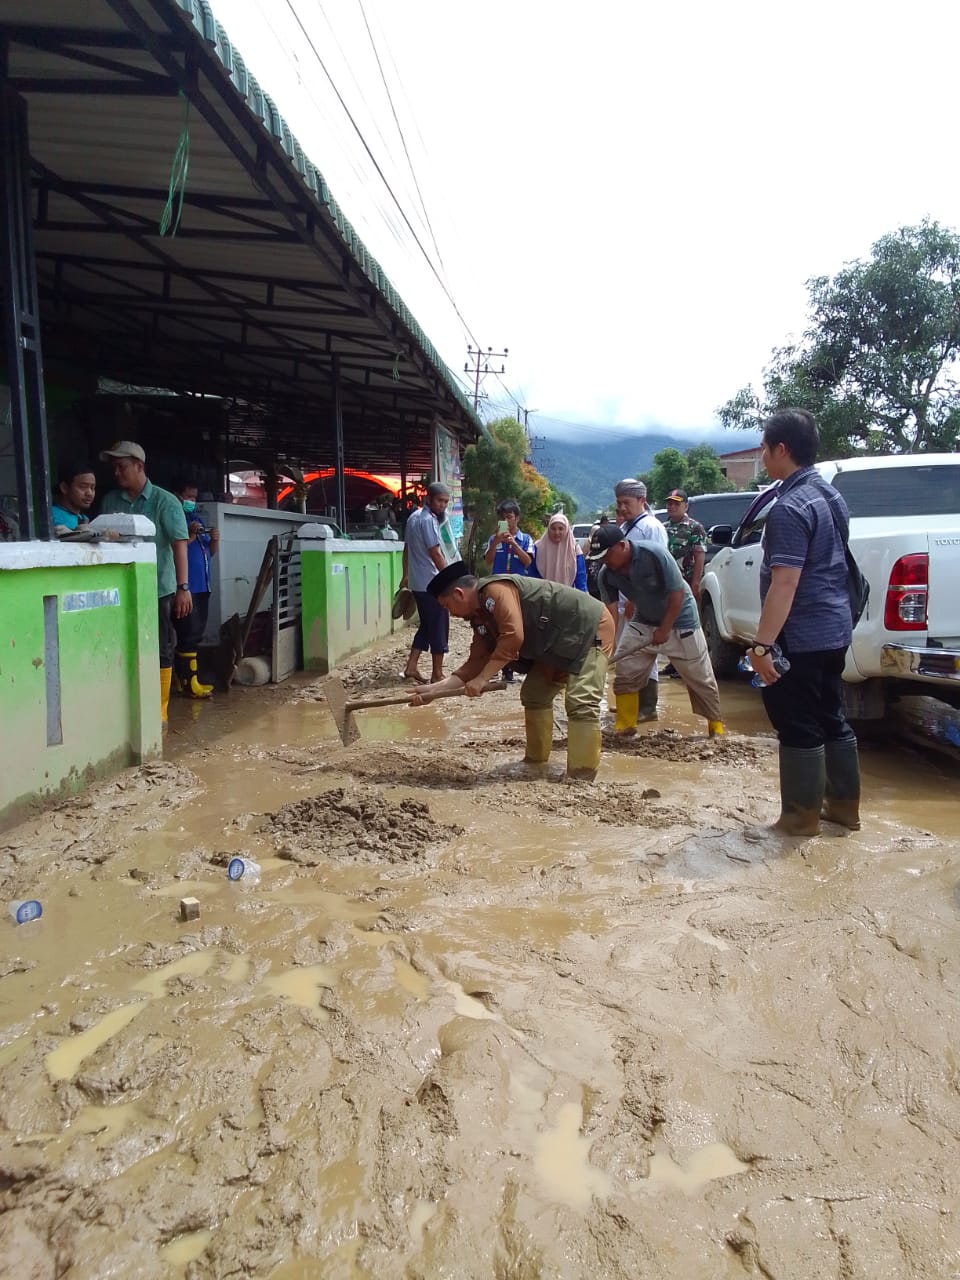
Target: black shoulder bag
point(858, 588)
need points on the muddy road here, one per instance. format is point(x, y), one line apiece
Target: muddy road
point(471, 1023)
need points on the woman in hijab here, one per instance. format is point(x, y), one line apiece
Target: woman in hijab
point(557, 557)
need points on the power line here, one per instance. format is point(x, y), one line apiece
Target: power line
point(381, 174)
point(403, 140)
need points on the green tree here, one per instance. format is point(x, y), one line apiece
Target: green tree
point(669, 471)
point(704, 473)
point(495, 468)
point(696, 471)
point(877, 362)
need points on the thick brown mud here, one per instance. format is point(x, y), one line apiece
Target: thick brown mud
point(474, 1021)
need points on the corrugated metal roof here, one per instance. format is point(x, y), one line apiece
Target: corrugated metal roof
point(266, 282)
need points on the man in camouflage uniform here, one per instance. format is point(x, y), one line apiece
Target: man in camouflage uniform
point(686, 539)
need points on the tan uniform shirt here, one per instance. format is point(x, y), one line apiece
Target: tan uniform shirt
point(502, 619)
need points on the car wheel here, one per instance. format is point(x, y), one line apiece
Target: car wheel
point(723, 655)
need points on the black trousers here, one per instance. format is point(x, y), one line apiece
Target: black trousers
point(167, 635)
point(805, 706)
point(191, 628)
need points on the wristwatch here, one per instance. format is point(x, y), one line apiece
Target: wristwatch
point(183, 586)
point(760, 650)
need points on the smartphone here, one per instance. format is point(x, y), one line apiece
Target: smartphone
point(503, 527)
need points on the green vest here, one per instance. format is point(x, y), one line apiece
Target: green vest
point(559, 623)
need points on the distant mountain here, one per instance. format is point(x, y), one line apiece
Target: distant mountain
point(588, 468)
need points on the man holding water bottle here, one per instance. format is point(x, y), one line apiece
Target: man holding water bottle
point(806, 619)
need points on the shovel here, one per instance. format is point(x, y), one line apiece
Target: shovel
point(342, 710)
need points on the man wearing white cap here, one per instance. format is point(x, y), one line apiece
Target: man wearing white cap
point(638, 524)
point(135, 495)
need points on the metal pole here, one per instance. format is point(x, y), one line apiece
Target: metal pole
point(21, 318)
point(338, 466)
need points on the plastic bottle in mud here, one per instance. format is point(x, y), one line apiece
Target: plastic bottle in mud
point(24, 910)
point(244, 869)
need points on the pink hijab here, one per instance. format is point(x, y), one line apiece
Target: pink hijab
point(557, 561)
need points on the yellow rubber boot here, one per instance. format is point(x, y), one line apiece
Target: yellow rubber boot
point(190, 681)
point(539, 726)
point(583, 749)
point(166, 675)
point(628, 707)
point(715, 728)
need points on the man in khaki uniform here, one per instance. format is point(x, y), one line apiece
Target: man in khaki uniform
point(564, 636)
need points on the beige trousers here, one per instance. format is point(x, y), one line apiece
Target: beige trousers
point(636, 655)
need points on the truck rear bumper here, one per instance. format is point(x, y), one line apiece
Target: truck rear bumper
point(928, 666)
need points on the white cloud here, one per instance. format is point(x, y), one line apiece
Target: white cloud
point(628, 196)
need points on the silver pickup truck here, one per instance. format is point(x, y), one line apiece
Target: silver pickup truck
point(905, 534)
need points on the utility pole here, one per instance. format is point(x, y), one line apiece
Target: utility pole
point(526, 430)
point(481, 367)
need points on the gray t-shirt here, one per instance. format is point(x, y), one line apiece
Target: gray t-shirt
point(648, 581)
point(421, 533)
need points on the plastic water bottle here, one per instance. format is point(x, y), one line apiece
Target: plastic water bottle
point(244, 869)
point(24, 910)
point(780, 664)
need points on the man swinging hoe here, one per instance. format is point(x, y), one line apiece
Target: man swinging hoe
point(562, 637)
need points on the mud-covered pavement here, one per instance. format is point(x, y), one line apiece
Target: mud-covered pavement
point(476, 1024)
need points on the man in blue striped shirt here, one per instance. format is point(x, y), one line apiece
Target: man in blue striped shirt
point(806, 610)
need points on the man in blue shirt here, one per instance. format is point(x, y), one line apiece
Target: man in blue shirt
point(202, 545)
point(76, 490)
point(510, 550)
point(664, 618)
point(423, 558)
point(806, 610)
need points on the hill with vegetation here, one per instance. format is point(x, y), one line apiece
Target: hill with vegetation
point(588, 468)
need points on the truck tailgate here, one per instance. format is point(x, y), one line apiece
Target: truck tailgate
point(943, 609)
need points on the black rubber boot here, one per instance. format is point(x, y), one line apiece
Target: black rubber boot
point(841, 802)
point(802, 784)
point(648, 701)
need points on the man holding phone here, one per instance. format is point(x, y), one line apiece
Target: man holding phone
point(509, 550)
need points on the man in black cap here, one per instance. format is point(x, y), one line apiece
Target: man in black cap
point(664, 619)
point(564, 636)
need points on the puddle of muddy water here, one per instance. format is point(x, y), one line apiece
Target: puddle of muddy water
point(713, 1161)
point(301, 986)
point(186, 1248)
point(64, 1061)
point(562, 1161)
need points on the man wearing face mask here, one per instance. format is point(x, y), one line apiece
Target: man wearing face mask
point(202, 545)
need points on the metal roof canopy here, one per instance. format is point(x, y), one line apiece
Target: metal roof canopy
point(265, 295)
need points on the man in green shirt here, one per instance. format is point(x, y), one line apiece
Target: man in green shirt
point(135, 495)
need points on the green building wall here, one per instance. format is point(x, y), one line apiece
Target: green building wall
point(347, 592)
point(79, 685)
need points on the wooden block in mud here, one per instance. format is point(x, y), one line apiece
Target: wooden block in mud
point(189, 908)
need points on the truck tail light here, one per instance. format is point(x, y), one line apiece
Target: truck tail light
point(905, 608)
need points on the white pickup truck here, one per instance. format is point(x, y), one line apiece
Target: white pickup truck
point(905, 534)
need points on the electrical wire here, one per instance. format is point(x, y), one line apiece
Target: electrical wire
point(376, 165)
point(403, 140)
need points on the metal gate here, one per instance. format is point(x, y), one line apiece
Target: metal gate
point(286, 609)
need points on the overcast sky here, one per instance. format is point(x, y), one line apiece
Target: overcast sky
point(628, 196)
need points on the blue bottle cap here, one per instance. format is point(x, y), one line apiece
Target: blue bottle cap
point(29, 910)
point(235, 868)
